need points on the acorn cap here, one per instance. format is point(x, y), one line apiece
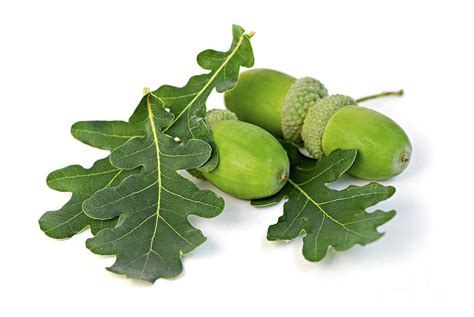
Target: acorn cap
point(302, 95)
point(216, 115)
point(316, 120)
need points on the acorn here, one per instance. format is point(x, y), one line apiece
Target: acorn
point(274, 101)
point(300, 111)
point(252, 163)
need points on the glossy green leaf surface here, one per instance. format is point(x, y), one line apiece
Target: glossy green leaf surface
point(82, 183)
point(155, 203)
point(326, 217)
point(136, 195)
point(188, 103)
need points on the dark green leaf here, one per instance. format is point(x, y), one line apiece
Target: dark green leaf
point(188, 105)
point(105, 135)
point(70, 219)
point(188, 102)
point(170, 198)
point(82, 183)
point(155, 203)
point(327, 217)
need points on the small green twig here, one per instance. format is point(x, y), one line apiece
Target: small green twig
point(382, 94)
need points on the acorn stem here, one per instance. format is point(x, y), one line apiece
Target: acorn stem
point(250, 34)
point(382, 94)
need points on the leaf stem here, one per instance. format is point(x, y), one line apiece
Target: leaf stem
point(382, 94)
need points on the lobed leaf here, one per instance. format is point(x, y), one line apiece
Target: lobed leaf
point(188, 103)
point(155, 203)
point(326, 217)
point(70, 219)
point(139, 180)
point(105, 135)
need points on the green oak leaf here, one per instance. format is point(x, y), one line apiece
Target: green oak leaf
point(188, 105)
point(188, 102)
point(106, 135)
point(154, 204)
point(326, 217)
point(82, 183)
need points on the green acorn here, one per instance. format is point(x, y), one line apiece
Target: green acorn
point(300, 111)
point(252, 163)
point(274, 101)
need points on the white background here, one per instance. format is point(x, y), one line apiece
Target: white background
point(65, 61)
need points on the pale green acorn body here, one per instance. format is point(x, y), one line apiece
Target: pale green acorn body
point(250, 105)
point(303, 113)
point(252, 163)
point(366, 131)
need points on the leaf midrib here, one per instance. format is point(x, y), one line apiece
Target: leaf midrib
point(208, 83)
point(324, 211)
point(158, 171)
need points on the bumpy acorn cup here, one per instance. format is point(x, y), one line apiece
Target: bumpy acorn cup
point(252, 163)
point(301, 112)
point(274, 101)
